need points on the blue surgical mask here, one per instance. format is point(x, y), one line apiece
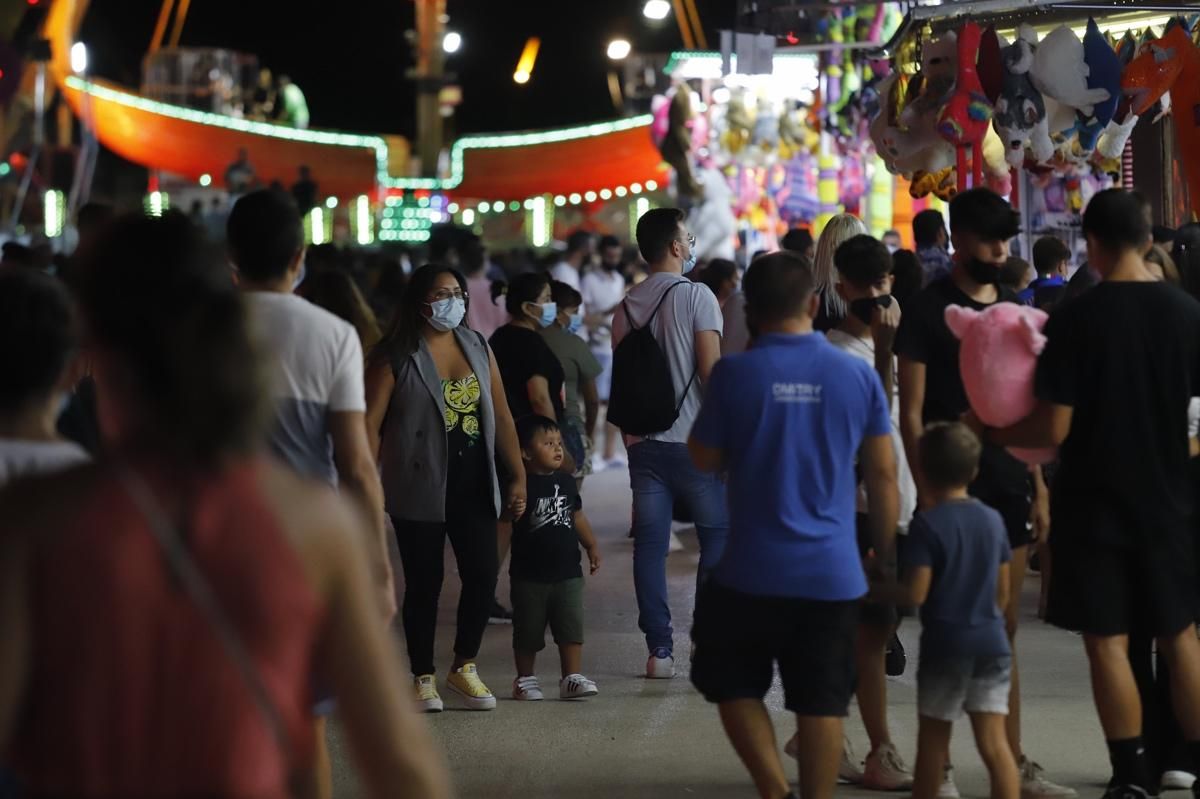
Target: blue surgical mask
point(690, 263)
point(576, 323)
point(448, 313)
point(549, 314)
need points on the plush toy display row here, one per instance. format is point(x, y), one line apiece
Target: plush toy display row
point(1061, 104)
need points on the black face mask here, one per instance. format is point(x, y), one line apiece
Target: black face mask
point(982, 272)
point(612, 267)
point(864, 308)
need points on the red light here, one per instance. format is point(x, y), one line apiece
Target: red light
point(33, 2)
point(1, 74)
point(792, 38)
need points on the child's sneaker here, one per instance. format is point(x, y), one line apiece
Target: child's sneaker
point(466, 683)
point(576, 686)
point(661, 665)
point(948, 790)
point(527, 689)
point(428, 699)
point(1034, 784)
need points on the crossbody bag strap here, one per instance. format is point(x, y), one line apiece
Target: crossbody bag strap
point(201, 593)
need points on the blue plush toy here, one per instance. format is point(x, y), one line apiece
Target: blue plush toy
point(1104, 72)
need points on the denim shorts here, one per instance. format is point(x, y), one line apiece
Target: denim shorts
point(947, 686)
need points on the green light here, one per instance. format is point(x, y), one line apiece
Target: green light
point(605, 194)
point(560, 200)
point(363, 220)
point(484, 208)
point(206, 180)
point(590, 196)
point(712, 55)
point(498, 206)
point(636, 188)
point(331, 203)
point(5, 168)
point(55, 212)
point(156, 203)
point(452, 208)
point(621, 191)
point(651, 185)
point(423, 202)
point(528, 204)
point(575, 198)
point(514, 206)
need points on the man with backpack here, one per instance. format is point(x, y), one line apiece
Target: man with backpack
point(666, 339)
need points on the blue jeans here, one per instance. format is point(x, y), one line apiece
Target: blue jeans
point(660, 473)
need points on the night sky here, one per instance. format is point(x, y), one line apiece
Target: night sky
point(350, 57)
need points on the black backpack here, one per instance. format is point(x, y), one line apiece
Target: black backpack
point(642, 395)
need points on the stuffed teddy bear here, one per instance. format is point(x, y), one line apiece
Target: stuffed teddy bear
point(1020, 118)
point(998, 356)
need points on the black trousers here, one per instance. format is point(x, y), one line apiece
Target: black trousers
point(471, 527)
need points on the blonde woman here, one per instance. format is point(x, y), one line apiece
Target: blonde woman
point(836, 231)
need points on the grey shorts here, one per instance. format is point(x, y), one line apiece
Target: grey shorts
point(947, 686)
point(536, 605)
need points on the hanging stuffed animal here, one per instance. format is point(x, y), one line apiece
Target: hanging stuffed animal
point(964, 120)
point(795, 135)
point(1104, 72)
point(1060, 73)
point(991, 64)
point(1020, 119)
point(1172, 63)
point(922, 152)
point(676, 147)
point(997, 175)
point(739, 122)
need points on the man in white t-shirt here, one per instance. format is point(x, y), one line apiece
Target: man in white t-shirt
point(580, 249)
point(603, 290)
point(38, 338)
point(317, 385)
point(865, 282)
point(687, 327)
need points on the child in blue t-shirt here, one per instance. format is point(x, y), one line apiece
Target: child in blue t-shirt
point(545, 571)
point(955, 564)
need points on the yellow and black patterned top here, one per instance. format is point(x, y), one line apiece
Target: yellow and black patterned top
point(462, 413)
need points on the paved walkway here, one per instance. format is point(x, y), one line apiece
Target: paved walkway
point(643, 739)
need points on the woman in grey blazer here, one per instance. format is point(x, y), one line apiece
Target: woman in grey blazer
point(436, 403)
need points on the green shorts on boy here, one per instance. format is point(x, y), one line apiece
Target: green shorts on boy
point(545, 570)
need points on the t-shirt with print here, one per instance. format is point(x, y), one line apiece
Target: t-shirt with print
point(522, 354)
point(790, 415)
point(963, 542)
point(25, 458)
point(690, 309)
point(1126, 358)
point(318, 369)
point(545, 546)
point(925, 337)
point(864, 350)
point(578, 364)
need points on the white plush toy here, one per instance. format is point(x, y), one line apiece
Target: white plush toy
point(1060, 73)
point(712, 218)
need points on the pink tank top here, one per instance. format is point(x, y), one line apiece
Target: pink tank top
point(131, 692)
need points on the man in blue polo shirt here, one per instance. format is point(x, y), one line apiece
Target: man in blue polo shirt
point(787, 420)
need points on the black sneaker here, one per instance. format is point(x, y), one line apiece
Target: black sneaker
point(1126, 792)
point(499, 614)
point(894, 659)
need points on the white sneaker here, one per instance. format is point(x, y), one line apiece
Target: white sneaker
point(527, 689)
point(948, 790)
point(885, 770)
point(1176, 780)
point(850, 771)
point(660, 666)
point(428, 698)
point(576, 686)
point(1034, 784)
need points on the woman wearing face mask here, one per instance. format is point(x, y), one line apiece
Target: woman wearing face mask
point(437, 404)
point(580, 370)
point(838, 230)
point(533, 377)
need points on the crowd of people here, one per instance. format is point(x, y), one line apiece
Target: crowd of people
point(203, 468)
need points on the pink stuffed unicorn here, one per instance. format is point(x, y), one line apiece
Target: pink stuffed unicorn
point(998, 356)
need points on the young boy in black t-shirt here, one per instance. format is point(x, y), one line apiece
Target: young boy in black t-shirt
point(931, 390)
point(1113, 384)
point(546, 576)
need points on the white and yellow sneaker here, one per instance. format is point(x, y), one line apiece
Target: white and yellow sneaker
point(466, 683)
point(428, 699)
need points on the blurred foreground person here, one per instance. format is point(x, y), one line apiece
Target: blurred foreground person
point(165, 610)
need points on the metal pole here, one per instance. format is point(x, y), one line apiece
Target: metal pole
point(431, 61)
point(39, 136)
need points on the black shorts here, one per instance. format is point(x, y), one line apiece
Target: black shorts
point(740, 637)
point(1106, 591)
point(876, 614)
point(1013, 506)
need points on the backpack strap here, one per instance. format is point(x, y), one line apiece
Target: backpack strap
point(661, 300)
